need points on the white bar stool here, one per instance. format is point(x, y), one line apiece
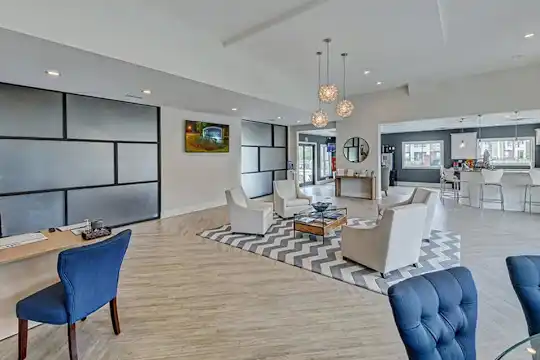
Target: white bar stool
point(534, 174)
point(492, 178)
point(448, 176)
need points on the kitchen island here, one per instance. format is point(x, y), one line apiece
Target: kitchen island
point(514, 183)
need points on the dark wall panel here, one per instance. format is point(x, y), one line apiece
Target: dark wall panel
point(29, 165)
point(30, 112)
point(432, 175)
point(30, 213)
point(137, 162)
point(91, 118)
point(115, 205)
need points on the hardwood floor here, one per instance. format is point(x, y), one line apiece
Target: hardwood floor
point(184, 297)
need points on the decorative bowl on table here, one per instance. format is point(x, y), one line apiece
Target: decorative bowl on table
point(321, 206)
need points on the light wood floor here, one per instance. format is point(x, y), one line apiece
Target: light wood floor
point(184, 297)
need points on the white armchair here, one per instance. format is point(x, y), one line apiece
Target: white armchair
point(248, 216)
point(391, 244)
point(419, 196)
point(289, 199)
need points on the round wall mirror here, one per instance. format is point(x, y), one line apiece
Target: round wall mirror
point(356, 149)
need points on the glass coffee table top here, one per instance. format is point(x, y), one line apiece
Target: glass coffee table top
point(318, 218)
point(526, 349)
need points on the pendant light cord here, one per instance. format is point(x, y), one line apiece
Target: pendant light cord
point(327, 60)
point(319, 60)
point(344, 55)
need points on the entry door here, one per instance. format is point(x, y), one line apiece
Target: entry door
point(306, 164)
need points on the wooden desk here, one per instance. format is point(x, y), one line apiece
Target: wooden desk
point(366, 186)
point(28, 268)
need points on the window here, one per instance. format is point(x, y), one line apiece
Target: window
point(325, 163)
point(423, 154)
point(508, 151)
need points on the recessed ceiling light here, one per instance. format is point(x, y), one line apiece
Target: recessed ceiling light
point(279, 117)
point(234, 109)
point(367, 72)
point(528, 36)
point(147, 92)
point(298, 121)
point(53, 72)
point(379, 82)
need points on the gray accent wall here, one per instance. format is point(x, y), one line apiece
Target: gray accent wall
point(65, 158)
point(432, 175)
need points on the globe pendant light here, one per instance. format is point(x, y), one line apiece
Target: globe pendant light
point(344, 108)
point(319, 118)
point(328, 93)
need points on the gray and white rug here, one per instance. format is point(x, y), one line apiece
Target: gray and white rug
point(310, 253)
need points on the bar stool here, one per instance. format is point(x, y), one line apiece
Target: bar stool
point(492, 178)
point(535, 183)
point(449, 176)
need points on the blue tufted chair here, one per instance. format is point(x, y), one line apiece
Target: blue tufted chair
point(524, 274)
point(436, 315)
point(88, 280)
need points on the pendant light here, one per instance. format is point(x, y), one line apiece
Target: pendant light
point(319, 118)
point(328, 93)
point(345, 107)
point(462, 145)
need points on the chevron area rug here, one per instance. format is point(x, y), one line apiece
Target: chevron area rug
point(310, 253)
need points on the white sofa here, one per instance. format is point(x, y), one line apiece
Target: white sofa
point(391, 244)
point(248, 216)
point(419, 196)
point(289, 199)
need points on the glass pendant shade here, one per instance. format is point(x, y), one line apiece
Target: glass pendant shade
point(319, 118)
point(328, 93)
point(344, 108)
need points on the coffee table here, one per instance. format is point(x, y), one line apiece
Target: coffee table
point(320, 223)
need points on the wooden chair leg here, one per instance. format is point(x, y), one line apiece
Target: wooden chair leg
point(72, 341)
point(114, 316)
point(23, 338)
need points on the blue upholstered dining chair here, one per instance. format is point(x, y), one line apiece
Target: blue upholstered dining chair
point(436, 314)
point(88, 280)
point(524, 274)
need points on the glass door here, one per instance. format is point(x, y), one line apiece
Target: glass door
point(325, 165)
point(306, 162)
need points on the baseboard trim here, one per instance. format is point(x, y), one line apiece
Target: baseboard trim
point(418, 184)
point(193, 208)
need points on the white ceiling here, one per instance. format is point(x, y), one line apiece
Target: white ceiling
point(25, 59)
point(398, 41)
point(500, 119)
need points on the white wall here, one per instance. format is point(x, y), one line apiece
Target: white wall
point(487, 93)
point(192, 182)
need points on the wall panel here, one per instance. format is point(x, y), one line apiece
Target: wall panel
point(273, 159)
point(256, 134)
point(30, 112)
point(257, 184)
point(101, 119)
point(32, 212)
point(30, 165)
point(115, 204)
point(137, 162)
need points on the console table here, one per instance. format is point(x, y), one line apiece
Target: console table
point(364, 187)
